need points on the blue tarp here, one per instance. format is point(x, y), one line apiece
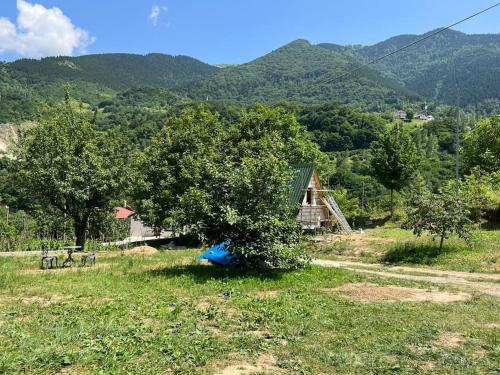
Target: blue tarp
point(218, 255)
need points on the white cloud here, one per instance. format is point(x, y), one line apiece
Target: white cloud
point(155, 13)
point(41, 32)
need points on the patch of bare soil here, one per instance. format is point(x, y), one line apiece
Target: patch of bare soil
point(218, 303)
point(44, 301)
point(449, 340)
point(265, 363)
point(442, 277)
point(266, 335)
point(266, 294)
point(427, 365)
point(214, 331)
point(366, 292)
point(203, 305)
point(71, 371)
point(141, 250)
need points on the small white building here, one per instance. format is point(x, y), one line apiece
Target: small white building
point(400, 115)
point(425, 117)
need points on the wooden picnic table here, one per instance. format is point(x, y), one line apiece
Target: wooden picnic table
point(70, 250)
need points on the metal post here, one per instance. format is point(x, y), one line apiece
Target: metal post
point(8, 239)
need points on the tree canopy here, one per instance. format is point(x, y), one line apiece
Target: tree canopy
point(482, 145)
point(394, 159)
point(65, 163)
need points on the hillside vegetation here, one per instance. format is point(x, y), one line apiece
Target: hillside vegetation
point(300, 72)
point(451, 67)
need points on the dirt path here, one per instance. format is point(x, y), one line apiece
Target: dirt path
point(484, 283)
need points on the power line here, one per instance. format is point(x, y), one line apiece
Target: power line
point(420, 40)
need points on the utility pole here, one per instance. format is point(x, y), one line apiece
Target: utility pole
point(457, 146)
point(7, 221)
point(363, 198)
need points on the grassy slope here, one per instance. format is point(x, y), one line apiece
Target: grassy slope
point(390, 244)
point(149, 315)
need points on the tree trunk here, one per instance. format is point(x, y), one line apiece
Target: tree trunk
point(392, 203)
point(81, 233)
point(441, 243)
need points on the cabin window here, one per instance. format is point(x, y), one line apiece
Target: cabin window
point(309, 196)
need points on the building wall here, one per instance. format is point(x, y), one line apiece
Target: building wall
point(138, 229)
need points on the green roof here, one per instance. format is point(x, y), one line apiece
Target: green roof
point(300, 182)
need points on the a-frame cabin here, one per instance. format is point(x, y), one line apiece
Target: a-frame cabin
point(315, 209)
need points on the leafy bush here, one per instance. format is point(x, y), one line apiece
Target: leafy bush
point(440, 214)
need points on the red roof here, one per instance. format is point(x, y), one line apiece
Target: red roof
point(123, 213)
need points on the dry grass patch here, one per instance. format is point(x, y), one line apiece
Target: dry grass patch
point(266, 294)
point(366, 293)
point(266, 335)
point(214, 330)
point(204, 305)
point(427, 365)
point(44, 301)
point(449, 340)
point(72, 371)
point(265, 363)
point(141, 250)
point(218, 303)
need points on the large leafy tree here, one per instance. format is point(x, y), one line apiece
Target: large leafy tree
point(67, 164)
point(180, 160)
point(229, 183)
point(482, 145)
point(394, 159)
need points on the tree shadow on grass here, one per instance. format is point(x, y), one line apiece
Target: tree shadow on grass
point(414, 253)
point(201, 273)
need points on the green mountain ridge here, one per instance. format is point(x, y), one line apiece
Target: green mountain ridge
point(299, 72)
point(451, 68)
point(117, 71)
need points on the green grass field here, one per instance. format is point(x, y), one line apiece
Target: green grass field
point(165, 314)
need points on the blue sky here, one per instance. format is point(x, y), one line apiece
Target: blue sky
point(220, 31)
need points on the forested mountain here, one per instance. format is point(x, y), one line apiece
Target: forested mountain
point(451, 67)
point(300, 72)
point(117, 71)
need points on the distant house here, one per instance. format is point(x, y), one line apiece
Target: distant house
point(138, 229)
point(425, 117)
point(400, 115)
point(315, 209)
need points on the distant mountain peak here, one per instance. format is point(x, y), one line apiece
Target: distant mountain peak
point(297, 43)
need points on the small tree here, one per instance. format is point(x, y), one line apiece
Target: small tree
point(67, 164)
point(394, 159)
point(440, 214)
